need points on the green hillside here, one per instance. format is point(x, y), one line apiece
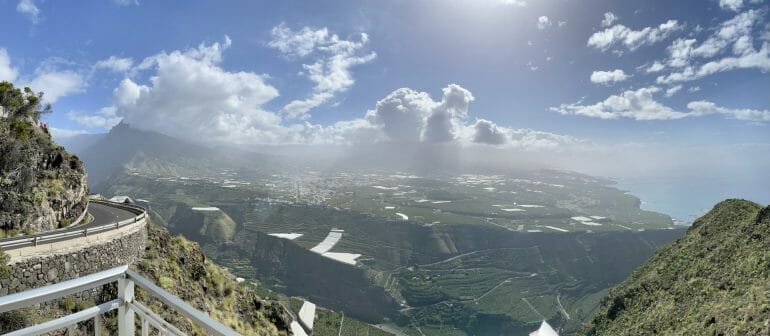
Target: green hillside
point(713, 281)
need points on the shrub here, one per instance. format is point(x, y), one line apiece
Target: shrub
point(5, 270)
point(68, 304)
point(166, 282)
point(22, 130)
point(64, 222)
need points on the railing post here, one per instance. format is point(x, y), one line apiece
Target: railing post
point(35, 241)
point(98, 325)
point(125, 312)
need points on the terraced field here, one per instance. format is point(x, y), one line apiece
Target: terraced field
point(479, 255)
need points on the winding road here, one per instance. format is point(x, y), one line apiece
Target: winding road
point(105, 214)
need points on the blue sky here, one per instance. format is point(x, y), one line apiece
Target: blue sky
point(527, 65)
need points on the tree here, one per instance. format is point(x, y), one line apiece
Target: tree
point(22, 104)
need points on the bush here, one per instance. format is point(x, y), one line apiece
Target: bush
point(15, 320)
point(166, 282)
point(68, 304)
point(64, 222)
point(22, 130)
point(5, 270)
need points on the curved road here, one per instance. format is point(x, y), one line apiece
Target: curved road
point(105, 214)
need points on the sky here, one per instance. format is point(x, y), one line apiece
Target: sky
point(628, 86)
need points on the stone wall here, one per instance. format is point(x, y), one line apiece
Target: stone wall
point(40, 271)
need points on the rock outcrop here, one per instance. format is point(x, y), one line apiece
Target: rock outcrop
point(42, 186)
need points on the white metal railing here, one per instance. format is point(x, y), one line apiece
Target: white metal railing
point(65, 234)
point(126, 304)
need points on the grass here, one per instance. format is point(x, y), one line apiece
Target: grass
point(713, 281)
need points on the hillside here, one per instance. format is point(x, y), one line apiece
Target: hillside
point(125, 148)
point(180, 267)
point(42, 186)
point(713, 281)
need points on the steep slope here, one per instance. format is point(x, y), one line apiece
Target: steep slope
point(713, 281)
point(42, 186)
point(145, 152)
point(204, 225)
point(180, 267)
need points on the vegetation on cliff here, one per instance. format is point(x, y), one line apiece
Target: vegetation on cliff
point(180, 267)
point(42, 186)
point(713, 281)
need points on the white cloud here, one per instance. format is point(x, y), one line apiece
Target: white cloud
point(670, 92)
point(680, 52)
point(28, 8)
point(59, 133)
point(7, 72)
point(638, 105)
point(331, 72)
point(641, 105)
point(562, 23)
point(728, 32)
point(517, 3)
point(402, 115)
point(410, 117)
point(608, 77)
point(56, 83)
point(443, 121)
point(116, 64)
point(733, 5)
point(655, 67)
point(48, 78)
point(609, 19)
point(297, 43)
point(736, 31)
point(753, 59)
point(632, 39)
point(105, 119)
point(487, 132)
point(543, 22)
point(125, 3)
point(190, 96)
point(705, 107)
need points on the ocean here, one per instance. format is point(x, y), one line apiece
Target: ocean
point(688, 196)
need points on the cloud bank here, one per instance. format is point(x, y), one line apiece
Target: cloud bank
point(189, 95)
point(641, 105)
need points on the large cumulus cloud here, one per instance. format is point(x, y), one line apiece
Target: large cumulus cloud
point(188, 94)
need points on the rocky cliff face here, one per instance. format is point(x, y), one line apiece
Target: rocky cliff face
point(42, 186)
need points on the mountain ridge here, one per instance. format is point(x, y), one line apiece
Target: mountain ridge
point(714, 280)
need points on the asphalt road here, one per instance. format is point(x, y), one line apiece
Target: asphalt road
point(104, 214)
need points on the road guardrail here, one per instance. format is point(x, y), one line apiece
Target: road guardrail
point(70, 233)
